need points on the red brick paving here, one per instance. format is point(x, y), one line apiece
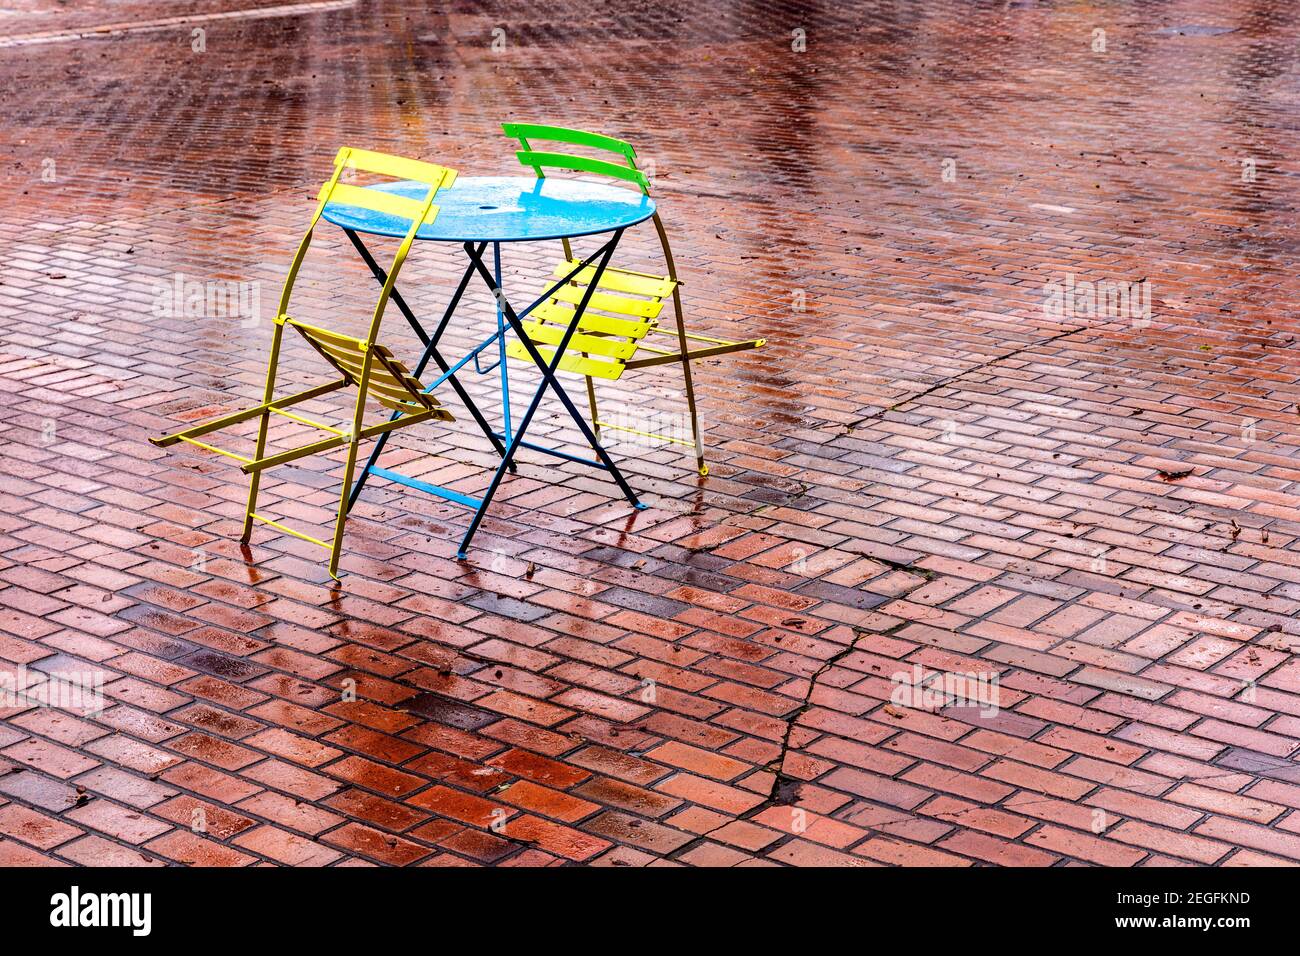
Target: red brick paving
point(926, 470)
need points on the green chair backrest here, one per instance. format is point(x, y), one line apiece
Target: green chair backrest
point(527, 132)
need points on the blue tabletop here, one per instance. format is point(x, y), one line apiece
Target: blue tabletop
point(506, 209)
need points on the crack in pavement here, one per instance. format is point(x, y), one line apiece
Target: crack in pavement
point(775, 797)
point(942, 383)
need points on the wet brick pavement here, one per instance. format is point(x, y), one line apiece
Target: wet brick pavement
point(926, 471)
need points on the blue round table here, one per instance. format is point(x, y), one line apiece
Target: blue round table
point(506, 209)
point(476, 211)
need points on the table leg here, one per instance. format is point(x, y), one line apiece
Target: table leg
point(501, 342)
point(548, 380)
point(430, 352)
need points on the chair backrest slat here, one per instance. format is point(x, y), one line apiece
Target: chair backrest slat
point(378, 201)
point(575, 137)
point(582, 164)
point(398, 167)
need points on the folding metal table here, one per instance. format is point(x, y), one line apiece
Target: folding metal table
point(492, 210)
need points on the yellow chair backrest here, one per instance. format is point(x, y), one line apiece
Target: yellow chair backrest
point(418, 211)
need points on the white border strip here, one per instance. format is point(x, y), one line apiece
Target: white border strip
point(167, 23)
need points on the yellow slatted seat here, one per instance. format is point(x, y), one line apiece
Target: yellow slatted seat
point(390, 383)
point(607, 335)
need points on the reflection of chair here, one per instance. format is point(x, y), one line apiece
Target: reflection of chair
point(618, 331)
point(360, 362)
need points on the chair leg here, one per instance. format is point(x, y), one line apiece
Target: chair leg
point(591, 401)
point(263, 427)
point(354, 441)
point(690, 385)
point(337, 547)
point(255, 479)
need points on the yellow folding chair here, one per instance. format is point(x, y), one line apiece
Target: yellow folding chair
point(619, 330)
point(362, 363)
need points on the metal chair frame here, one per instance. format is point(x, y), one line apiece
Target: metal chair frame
point(649, 288)
point(360, 362)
